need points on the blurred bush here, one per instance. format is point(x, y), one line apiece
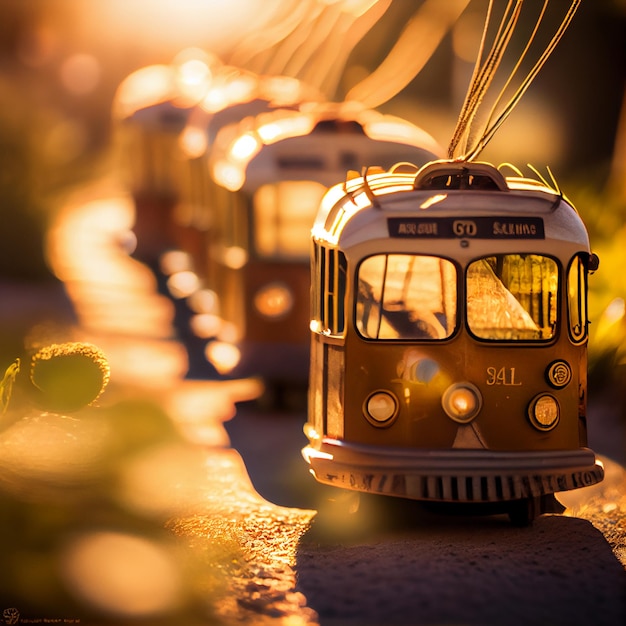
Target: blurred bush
point(84, 500)
point(22, 209)
point(603, 208)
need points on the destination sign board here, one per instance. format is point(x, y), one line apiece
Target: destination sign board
point(466, 227)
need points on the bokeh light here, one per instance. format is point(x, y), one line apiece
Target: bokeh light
point(122, 574)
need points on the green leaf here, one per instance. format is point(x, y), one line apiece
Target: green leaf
point(6, 385)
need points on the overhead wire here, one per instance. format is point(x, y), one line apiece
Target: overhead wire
point(413, 49)
point(466, 142)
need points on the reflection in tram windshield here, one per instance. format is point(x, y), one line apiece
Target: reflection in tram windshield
point(406, 296)
point(512, 296)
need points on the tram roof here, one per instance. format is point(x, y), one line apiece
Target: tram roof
point(319, 143)
point(325, 157)
point(440, 189)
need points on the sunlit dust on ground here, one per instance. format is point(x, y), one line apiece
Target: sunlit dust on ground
point(604, 505)
point(261, 575)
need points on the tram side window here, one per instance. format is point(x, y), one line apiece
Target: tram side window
point(284, 213)
point(406, 297)
point(513, 297)
point(230, 223)
point(329, 297)
point(577, 299)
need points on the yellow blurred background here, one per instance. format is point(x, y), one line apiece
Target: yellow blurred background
point(62, 62)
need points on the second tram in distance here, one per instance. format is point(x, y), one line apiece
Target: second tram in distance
point(268, 175)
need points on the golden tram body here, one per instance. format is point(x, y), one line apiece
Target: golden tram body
point(449, 339)
point(268, 176)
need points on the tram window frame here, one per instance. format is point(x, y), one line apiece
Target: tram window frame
point(275, 227)
point(316, 282)
point(552, 307)
point(231, 228)
point(328, 302)
point(578, 302)
point(421, 333)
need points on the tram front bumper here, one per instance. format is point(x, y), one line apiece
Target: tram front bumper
point(457, 475)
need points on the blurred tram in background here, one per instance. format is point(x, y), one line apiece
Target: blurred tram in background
point(166, 119)
point(151, 109)
point(267, 177)
point(234, 95)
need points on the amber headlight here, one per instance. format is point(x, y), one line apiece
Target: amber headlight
point(462, 402)
point(544, 412)
point(274, 300)
point(381, 407)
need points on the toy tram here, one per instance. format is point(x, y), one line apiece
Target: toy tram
point(449, 338)
point(268, 175)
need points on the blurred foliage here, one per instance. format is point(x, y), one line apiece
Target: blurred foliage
point(68, 376)
point(21, 202)
point(76, 517)
point(36, 168)
point(603, 208)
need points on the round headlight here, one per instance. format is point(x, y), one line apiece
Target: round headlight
point(462, 402)
point(381, 407)
point(273, 300)
point(544, 412)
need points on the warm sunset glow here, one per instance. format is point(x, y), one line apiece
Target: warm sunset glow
point(239, 85)
point(230, 86)
point(193, 74)
point(387, 128)
point(122, 574)
point(193, 142)
point(203, 301)
point(283, 89)
point(356, 7)
point(80, 73)
point(148, 85)
point(198, 408)
point(245, 147)
point(44, 448)
point(274, 300)
point(205, 325)
point(183, 284)
point(224, 356)
point(286, 126)
point(615, 311)
point(410, 53)
point(114, 296)
point(172, 24)
point(228, 175)
point(235, 257)
point(174, 261)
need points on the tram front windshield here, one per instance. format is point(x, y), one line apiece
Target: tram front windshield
point(508, 297)
point(512, 297)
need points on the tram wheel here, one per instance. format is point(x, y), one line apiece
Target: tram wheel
point(524, 512)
